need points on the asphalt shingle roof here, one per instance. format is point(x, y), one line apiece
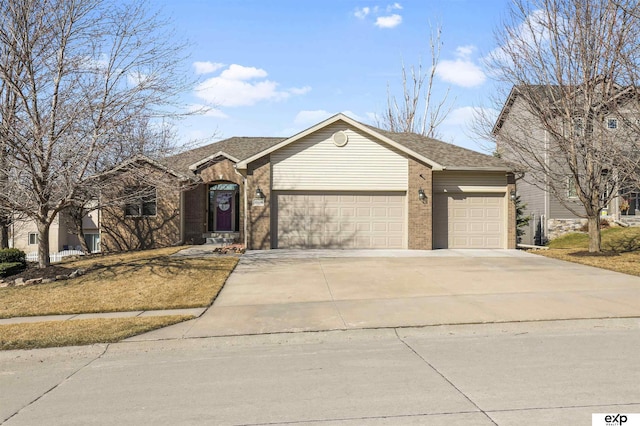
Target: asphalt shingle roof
point(237, 147)
point(445, 154)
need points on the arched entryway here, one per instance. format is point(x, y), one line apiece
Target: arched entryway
point(224, 203)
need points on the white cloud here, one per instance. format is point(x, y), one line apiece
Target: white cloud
point(390, 21)
point(461, 71)
point(361, 13)
point(395, 6)
point(300, 90)
point(206, 67)
point(243, 86)
point(239, 72)
point(136, 78)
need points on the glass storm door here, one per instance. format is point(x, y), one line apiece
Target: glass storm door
point(224, 205)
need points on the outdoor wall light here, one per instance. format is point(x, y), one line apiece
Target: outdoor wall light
point(421, 195)
point(512, 195)
point(259, 193)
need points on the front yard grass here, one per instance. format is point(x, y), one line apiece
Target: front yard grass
point(621, 250)
point(80, 332)
point(136, 281)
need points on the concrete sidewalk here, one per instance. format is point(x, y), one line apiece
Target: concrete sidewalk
point(129, 314)
point(544, 373)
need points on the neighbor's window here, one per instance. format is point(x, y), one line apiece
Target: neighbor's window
point(572, 190)
point(612, 123)
point(141, 201)
point(33, 238)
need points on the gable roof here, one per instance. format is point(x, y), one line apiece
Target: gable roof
point(236, 148)
point(243, 150)
point(142, 159)
point(552, 94)
point(439, 155)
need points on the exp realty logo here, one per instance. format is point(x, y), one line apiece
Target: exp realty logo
point(609, 419)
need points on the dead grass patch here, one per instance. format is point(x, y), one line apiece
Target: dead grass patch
point(145, 280)
point(627, 263)
point(80, 332)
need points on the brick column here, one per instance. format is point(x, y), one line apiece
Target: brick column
point(259, 217)
point(420, 214)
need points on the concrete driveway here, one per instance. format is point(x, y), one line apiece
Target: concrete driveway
point(316, 290)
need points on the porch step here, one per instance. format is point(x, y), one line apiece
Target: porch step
point(221, 238)
point(220, 241)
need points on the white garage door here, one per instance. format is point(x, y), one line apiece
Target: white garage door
point(340, 220)
point(469, 221)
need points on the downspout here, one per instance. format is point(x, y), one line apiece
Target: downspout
point(545, 219)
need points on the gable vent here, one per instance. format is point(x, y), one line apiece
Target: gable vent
point(340, 138)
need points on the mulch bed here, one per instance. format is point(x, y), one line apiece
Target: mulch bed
point(33, 271)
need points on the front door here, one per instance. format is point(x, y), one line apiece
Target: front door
point(224, 207)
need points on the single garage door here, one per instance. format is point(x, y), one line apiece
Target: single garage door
point(340, 220)
point(469, 221)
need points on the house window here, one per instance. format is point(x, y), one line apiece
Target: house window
point(141, 201)
point(33, 238)
point(93, 242)
point(572, 189)
point(612, 123)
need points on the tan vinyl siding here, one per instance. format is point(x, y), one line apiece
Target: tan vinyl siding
point(316, 163)
point(469, 182)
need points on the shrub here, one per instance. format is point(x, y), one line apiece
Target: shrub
point(12, 268)
point(12, 255)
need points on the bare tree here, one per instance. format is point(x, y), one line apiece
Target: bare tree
point(571, 67)
point(416, 111)
point(78, 72)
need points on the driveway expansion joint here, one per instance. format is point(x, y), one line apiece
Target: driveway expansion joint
point(54, 387)
point(444, 377)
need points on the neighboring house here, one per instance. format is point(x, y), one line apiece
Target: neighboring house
point(338, 184)
point(23, 234)
point(549, 217)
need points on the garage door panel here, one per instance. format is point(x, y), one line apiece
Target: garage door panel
point(469, 220)
point(342, 220)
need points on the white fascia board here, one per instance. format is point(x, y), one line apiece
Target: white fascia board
point(435, 166)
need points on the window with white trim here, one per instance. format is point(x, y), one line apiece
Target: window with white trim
point(33, 238)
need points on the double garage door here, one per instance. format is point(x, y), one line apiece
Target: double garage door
point(378, 220)
point(341, 220)
point(469, 221)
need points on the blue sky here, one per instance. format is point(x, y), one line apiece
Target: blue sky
point(274, 68)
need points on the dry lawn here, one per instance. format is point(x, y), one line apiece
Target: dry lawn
point(621, 250)
point(145, 280)
point(79, 332)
